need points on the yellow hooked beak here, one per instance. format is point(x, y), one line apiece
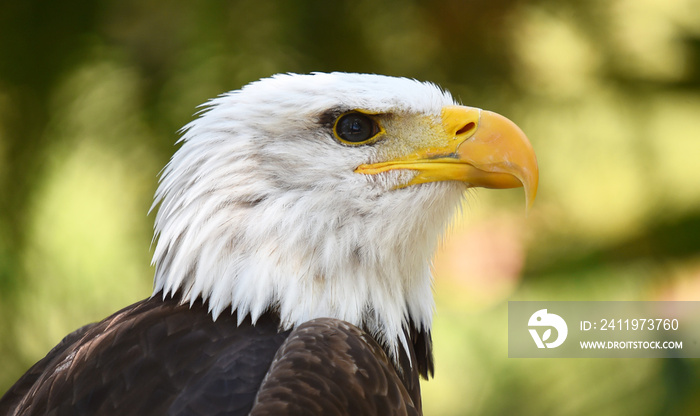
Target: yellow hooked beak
point(474, 146)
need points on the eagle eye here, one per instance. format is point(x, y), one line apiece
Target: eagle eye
point(355, 128)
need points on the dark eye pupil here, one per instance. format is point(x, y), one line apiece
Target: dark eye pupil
point(355, 127)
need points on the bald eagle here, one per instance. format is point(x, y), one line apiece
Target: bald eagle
point(294, 232)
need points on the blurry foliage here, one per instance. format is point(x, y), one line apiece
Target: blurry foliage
point(92, 93)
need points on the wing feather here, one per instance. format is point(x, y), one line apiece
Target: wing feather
point(330, 367)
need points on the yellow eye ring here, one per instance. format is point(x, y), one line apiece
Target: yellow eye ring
point(355, 128)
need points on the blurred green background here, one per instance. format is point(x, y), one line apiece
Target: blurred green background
point(93, 92)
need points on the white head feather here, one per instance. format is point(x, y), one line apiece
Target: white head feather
point(261, 208)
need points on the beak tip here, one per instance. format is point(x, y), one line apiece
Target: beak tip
point(530, 185)
point(529, 202)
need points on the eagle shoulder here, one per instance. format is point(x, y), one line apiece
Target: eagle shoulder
point(153, 357)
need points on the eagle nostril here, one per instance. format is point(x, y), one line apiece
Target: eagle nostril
point(467, 128)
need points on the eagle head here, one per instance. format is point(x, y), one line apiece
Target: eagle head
point(324, 195)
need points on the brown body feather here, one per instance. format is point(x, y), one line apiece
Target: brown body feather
point(161, 357)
